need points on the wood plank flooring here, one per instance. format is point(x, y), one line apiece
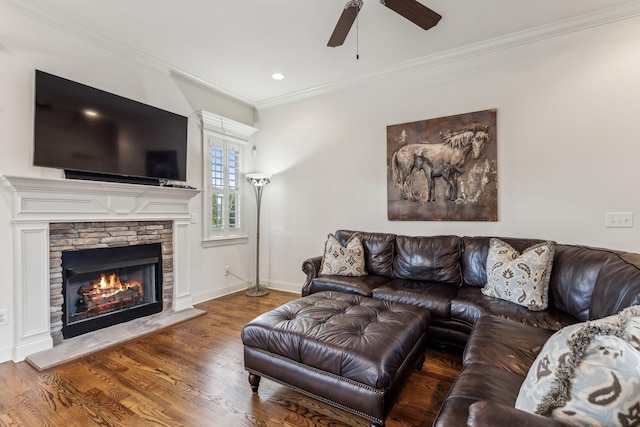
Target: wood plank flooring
point(192, 374)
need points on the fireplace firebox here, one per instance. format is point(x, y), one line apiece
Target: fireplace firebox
point(106, 286)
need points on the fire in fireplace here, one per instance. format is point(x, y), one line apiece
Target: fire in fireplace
point(107, 295)
point(106, 286)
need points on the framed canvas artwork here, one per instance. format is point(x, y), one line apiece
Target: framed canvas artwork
point(443, 169)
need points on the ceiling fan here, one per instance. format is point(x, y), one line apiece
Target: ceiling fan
point(415, 12)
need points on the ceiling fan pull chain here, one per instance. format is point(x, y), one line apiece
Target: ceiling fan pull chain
point(357, 37)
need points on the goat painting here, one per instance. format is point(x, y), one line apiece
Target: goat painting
point(463, 156)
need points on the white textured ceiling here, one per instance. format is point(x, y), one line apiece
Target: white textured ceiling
point(236, 45)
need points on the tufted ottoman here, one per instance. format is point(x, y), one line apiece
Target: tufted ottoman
point(350, 351)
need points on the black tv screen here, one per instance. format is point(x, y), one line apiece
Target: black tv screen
point(83, 129)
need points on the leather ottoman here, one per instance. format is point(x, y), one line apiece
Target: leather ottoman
point(350, 351)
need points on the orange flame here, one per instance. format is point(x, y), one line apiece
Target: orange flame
point(111, 286)
point(113, 282)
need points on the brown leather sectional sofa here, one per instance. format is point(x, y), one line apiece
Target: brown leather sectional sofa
point(444, 274)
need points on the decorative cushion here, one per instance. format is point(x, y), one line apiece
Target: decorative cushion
point(587, 373)
point(520, 278)
point(347, 260)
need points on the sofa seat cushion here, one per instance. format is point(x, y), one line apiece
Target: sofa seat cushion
point(454, 412)
point(476, 382)
point(362, 285)
point(469, 305)
point(432, 296)
point(510, 345)
point(489, 414)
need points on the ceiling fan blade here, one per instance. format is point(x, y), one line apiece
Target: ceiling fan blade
point(345, 22)
point(414, 11)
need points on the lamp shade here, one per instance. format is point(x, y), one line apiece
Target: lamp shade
point(259, 179)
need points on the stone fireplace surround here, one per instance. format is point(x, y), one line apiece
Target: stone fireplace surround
point(73, 236)
point(41, 206)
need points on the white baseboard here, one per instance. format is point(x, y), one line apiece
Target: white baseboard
point(5, 353)
point(183, 303)
point(217, 293)
point(294, 288)
point(33, 344)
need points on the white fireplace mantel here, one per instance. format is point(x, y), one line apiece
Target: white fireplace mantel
point(36, 202)
point(60, 200)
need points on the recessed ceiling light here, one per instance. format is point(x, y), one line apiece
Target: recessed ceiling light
point(277, 76)
point(90, 113)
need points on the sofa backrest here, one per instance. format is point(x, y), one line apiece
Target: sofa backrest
point(587, 283)
point(474, 257)
point(430, 259)
point(378, 250)
point(617, 286)
point(573, 278)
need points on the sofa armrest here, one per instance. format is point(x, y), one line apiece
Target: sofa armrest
point(311, 267)
point(489, 414)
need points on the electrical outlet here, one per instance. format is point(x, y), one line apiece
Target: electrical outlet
point(226, 270)
point(618, 219)
point(3, 317)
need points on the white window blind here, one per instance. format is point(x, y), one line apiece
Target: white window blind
point(225, 188)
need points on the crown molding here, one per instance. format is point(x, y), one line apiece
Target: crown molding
point(624, 11)
point(122, 49)
point(627, 10)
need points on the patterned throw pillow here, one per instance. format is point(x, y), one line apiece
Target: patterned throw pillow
point(347, 260)
point(587, 374)
point(520, 278)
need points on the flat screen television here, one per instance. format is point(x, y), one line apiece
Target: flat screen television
point(93, 134)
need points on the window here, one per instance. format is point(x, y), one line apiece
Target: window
point(224, 143)
point(226, 166)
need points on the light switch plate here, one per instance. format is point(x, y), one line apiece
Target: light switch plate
point(618, 219)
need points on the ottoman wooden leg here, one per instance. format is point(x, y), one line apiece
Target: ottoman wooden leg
point(254, 380)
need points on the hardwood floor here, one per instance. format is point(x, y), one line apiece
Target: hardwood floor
point(192, 374)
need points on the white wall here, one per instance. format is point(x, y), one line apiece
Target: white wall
point(27, 45)
point(568, 147)
point(567, 144)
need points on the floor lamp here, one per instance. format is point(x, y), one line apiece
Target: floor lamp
point(258, 180)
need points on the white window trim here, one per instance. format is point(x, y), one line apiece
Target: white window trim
point(222, 128)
